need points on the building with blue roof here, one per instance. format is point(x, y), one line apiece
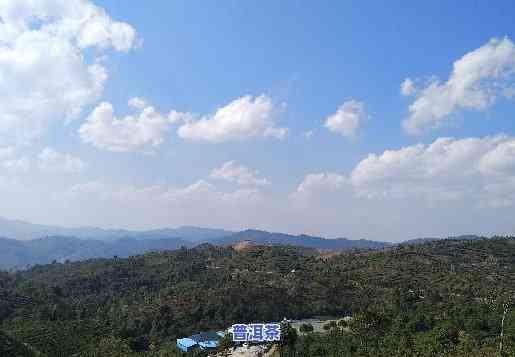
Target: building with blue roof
point(204, 340)
point(205, 345)
point(186, 344)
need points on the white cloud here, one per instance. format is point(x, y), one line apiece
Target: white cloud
point(500, 161)
point(104, 131)
point(52, 161)
point(476, 81)
point(348, 118)
point(233, 172)
point(277, 133)
point(447, 169)
point(79, 21)
point(408, 87)
point(318, 184)
point(176, 117)
point(44, 74)
point(241, 119)
point(451, 186)
point(137, 103)
point(314, 182)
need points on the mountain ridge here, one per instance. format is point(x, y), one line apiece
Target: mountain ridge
point(15, 254)
point(61, 244)
point(23, 230)
point(303, 240)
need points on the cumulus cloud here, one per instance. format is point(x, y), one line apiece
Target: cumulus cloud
point(325, 181)
point(53, 161)
point(324, 189)
point(348, 118)
point(243, 118)
point(451, 186)
point(500, 161)
point(44, 74)
point(177, 117)
point(233, 172)
point(79, 21)
point(476, 81)
point(277, 133)
point(447, 169)
point(137, 103)
point(408, 87)
point(105, 131)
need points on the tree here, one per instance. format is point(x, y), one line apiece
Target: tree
point(330, 325)
point(109, 347)
point(306, 328)
point(288, 337)
point(225, 344)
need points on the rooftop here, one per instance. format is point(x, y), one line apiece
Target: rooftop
point(206, 336)
point(186, 342)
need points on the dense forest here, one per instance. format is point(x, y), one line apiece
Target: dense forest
point(443, 298)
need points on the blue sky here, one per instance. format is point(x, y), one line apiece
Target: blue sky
point(299, 64)
point(198, 55)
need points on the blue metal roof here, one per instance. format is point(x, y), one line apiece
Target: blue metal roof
point(186, 342)
point(208, 344)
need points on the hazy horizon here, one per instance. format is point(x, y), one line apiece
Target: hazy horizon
point(334, 120)
point(142, 230)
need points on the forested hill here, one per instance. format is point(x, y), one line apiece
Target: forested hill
point(443, 298)
point(11, 348)
point(432, 239)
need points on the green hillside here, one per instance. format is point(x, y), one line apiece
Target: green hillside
point(444, 298)
point(12, 348)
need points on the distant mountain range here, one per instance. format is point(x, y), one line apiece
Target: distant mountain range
point(267, 238)
point(22, 230)
point(15, 254)
point(28, 244)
